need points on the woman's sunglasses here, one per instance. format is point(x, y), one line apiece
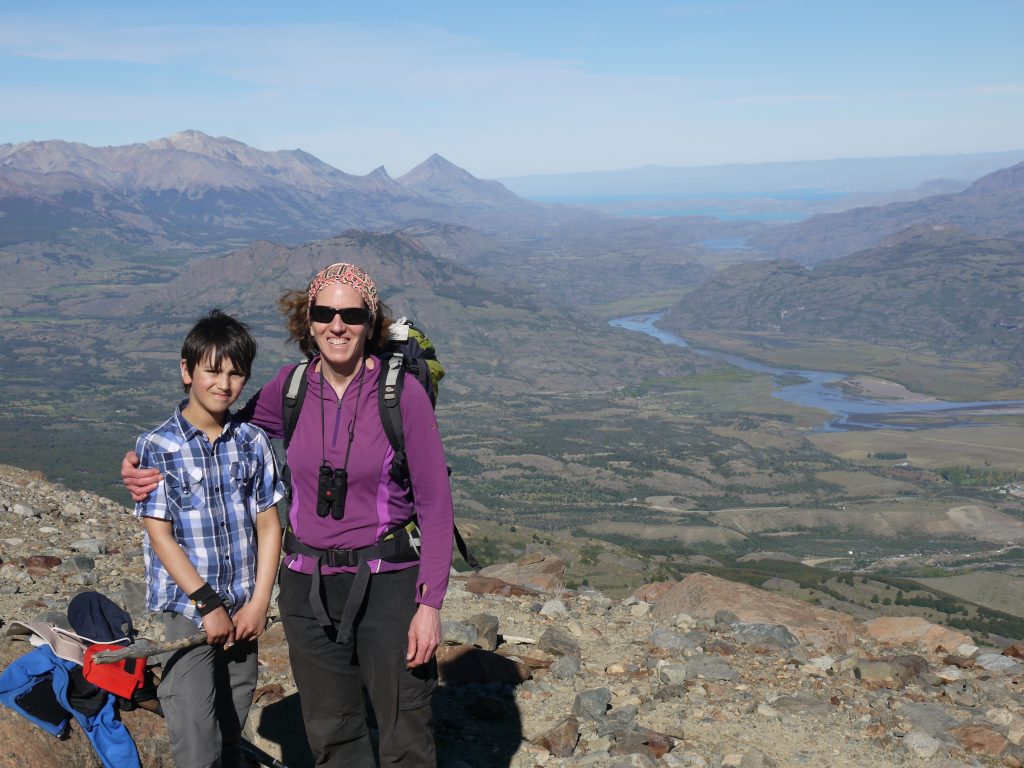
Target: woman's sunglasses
point(349, 315)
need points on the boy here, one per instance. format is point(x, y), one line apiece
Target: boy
point(212, 544)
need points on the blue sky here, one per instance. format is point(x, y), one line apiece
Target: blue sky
point(505, 89)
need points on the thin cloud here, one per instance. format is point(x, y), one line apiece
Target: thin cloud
point(996, 90)
point(784, 98)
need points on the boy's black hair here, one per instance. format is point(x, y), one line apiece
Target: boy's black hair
point(222, 336)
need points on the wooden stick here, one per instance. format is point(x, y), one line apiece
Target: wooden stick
point(152, 648)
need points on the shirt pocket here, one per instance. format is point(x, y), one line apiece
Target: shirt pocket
point(185, 491)
point(243, 477)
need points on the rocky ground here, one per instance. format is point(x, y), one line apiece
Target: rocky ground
point(699, 673)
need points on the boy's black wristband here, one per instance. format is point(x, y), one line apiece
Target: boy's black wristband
point(206, 599)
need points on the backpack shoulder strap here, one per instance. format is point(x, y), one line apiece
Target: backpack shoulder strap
point(389, 396)
point(291, 399)
point(463, 548)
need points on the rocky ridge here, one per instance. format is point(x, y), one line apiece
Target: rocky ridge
point(699, 673)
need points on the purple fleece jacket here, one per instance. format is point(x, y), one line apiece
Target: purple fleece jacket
point(374, 503)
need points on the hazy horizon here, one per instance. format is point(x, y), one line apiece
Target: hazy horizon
point(531, 89)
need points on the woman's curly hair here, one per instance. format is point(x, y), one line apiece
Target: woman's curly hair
point(294, 305)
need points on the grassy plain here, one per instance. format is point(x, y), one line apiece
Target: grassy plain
point(997, 447)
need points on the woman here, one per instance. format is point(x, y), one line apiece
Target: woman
point(369, 614)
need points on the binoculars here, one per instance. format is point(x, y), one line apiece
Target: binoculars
point(331, 490)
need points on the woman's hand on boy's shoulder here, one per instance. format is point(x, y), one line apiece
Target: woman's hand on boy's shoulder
point(138, 482)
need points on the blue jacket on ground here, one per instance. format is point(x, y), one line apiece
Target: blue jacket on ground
point(108, 735)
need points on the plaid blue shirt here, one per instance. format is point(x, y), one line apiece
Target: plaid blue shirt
point(211, 494)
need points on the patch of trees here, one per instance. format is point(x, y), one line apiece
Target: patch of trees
point(972, 476)
point(945, 605)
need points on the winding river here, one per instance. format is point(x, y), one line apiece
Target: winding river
point(818, 389)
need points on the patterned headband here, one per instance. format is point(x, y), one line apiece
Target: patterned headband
point(351, 275)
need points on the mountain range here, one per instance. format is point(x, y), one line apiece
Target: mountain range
point(931, 288)
point(193, 189)
point(993, 206)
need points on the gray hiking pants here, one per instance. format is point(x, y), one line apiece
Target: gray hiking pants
point(205, 694)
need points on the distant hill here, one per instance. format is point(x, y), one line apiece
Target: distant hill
point(931, 288)
point(194, 189)
point(993, 206)
point(862, 175)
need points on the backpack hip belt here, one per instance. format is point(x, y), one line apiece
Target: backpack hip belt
point(400, 544)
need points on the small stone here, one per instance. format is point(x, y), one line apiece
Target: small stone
point(921, 744)
point(667, 640)
point(680, 759)
point(1014, 650)
point(959, 694)
point(673, 674)
point(558, 642)
point(846, 663)
point(713, 668)
point(801, 704)
point(766, 710)
point(980, 740)
point(639, 610)
point(457, 633)
point(40, 565)
point(24, 510)
point(1003, 717)
point(960, 662)
point(486, 626)
point(822, 663)
point(726, 617)
point(1015, 732)
point(592, 703)
point(554, 608)
point(89, 546)
point(882, 672)
point(950, 674)
point(684, 621)
point(755, 758)
point(566, 668)
point(561, 740)
point(764, 634)
point(12, 573)
point(996, 662)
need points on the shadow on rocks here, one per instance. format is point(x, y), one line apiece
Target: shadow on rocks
point(476, 725)
point(281, 723)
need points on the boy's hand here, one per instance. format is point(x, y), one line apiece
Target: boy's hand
point(219, 629)
point(250, 621)
point(138, 482)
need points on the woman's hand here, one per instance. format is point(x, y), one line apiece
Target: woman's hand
point(138, 482)
point(424, 636)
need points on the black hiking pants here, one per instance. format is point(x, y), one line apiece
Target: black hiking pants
point(330, 676)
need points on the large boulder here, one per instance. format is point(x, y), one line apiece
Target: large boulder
point(702, 596)
point(544, 573)
point(914, 631)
